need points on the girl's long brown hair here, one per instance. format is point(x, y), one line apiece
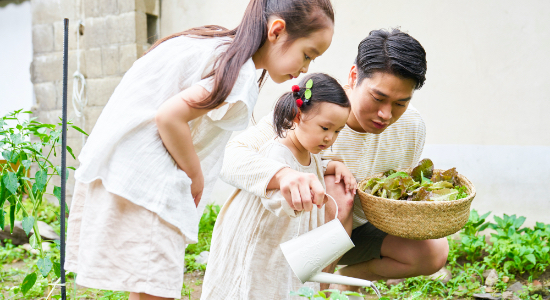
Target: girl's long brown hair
point(302, 17)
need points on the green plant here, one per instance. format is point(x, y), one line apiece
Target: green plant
point(206, 227)
point(20, 153)
point(309, 293)
point(471, 242)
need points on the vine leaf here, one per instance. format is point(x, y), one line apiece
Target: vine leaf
point(57, 269)
point(57, 194)
point(41, 177)
point(26, 163)
point(44, 265)
point(28, 283)
point(27, 224)
point(33, 241)
point(10, 182)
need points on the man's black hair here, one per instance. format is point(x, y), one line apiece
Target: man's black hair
point(393, 52)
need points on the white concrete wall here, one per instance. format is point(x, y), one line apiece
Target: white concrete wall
point(15, 57)
point(485, 98)
point(487, 93)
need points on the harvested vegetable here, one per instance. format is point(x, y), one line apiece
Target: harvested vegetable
point(423, 184)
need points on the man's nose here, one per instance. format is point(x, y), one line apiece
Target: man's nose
point(384, 112)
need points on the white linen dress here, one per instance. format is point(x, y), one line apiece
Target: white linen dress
point(133, 213)
point(245, 260)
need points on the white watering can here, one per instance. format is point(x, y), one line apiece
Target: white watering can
point(311, 252)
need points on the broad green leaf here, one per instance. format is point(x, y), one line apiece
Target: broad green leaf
point(70, 152)
point(41, 177)
point(44, 265)
point(306, 291)
point(42, 130)
point(27, 224)
point(307, 94)
point(511, 231)
point(58, 169)
point(519, 221)
point(26, 163)
point(78, 129)
point(16, 138)
point(309, 84)
point(499, 221)
point(10, 182)
point(57, 244)
point(27, 112)
point(37, 147)
point(531, 258)
point(28, 283)
point(33, 241)
point(7, 155)
point(485, 216)
point(483, 227)
point(57, 269)
point(57, 194)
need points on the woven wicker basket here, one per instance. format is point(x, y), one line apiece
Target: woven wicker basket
point(418, 220)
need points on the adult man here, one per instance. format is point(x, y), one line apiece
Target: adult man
point(383, 132)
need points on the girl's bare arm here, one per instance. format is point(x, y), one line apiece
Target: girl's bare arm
point(172, 121)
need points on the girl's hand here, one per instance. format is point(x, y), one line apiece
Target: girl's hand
point(342, 172)
point(197, 186)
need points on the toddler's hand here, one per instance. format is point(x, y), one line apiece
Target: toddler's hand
point(197, 186)
point(342, 172)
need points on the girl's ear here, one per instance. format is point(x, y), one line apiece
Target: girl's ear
point(298, 117)
point(276, 28)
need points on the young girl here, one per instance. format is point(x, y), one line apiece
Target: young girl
point(160, 139)
point(245, 260)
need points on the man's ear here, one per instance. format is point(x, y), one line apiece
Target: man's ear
point(352, 77)
point(276, 28)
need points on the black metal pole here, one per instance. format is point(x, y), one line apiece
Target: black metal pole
point(64, 156)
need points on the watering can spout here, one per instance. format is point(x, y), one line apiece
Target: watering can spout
point(323, 277)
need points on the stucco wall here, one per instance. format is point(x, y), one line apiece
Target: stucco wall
point(486, 96)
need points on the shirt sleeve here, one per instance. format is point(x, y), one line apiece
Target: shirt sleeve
point(243, 166)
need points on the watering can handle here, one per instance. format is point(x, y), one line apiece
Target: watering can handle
point(302, 212)
point(335, 204)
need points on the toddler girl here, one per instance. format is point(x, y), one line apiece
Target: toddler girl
point(157, 147)
point(245, 260)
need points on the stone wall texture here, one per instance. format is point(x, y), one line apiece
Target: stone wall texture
point(113, 36)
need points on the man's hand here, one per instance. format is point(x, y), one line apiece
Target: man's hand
point(301, 190)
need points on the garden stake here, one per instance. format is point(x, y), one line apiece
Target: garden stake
point(64, 156)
